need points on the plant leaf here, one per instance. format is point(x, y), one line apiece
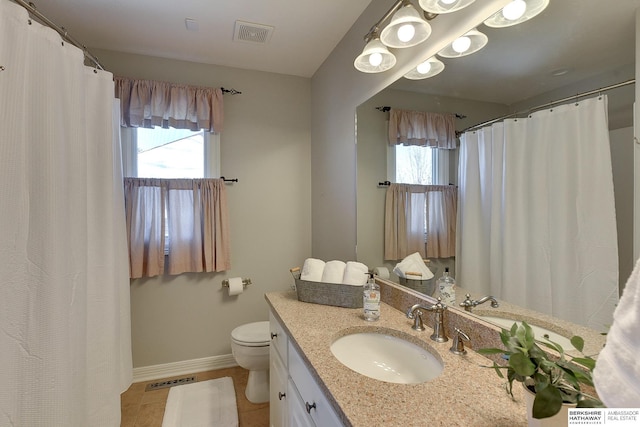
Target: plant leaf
point(521, 364)
point(504, 337)
point(590, 403)
point(514, 329)
point(497, 368)
point(529, 336)
point(491, 351)
point(577, 342)
point(553, 346)
point(547, 403)
point(584, 377)
point(587, 362)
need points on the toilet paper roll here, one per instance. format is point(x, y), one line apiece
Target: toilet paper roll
point(381, 272)
point(235, 286)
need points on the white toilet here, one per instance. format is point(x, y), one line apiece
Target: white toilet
point(250, 348)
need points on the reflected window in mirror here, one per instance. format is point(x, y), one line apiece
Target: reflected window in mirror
point(414, 164)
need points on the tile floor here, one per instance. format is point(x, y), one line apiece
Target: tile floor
point(146, 409)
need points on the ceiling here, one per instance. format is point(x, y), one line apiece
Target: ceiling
point(581, 36)
point(305, 32)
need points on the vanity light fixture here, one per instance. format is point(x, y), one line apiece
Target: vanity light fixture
point(426, 69)
point(407, 28)
point(464, 45)
point(375, 57)
point(516, 12)
point(444, 6)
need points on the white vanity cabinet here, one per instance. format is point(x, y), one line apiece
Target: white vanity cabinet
point(296, 400)
point(309, 397)
point(278, 375)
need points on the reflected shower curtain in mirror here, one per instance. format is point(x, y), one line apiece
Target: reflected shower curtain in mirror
point(65, 340)
point(536, 215)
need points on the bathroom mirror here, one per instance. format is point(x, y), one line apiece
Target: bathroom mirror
point(557, 54)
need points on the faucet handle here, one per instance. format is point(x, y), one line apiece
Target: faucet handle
point(417, 321)
point(467, 303)
point(439, 307)
point(457, 347)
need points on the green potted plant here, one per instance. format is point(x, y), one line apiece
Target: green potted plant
point(553, 381)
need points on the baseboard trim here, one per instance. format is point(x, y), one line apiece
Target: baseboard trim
point(155, 372)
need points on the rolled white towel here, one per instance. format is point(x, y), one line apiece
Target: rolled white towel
point(355, 273)
point(413, 263)
point(413, 275)
point(617, 372)
point(312, 270)
point(333, 272)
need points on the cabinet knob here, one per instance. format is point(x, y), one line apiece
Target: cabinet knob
point(310, 407)
point(281, 395)
point(273, 335)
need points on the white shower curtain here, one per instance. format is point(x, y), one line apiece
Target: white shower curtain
point(536, 217)
point(65, 341)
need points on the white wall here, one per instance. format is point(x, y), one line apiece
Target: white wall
point(636, 150)
point(622, 162)
point(266, 145)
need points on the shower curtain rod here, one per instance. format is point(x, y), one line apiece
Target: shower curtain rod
point(60, 30)
point(559, 101)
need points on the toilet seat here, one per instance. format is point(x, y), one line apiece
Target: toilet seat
point(254, 334)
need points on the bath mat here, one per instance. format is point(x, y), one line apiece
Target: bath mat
point(202, 404)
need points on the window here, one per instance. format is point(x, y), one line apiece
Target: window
point(428, 213)
point(414, 164)
point(170, 153)
point(173, 210)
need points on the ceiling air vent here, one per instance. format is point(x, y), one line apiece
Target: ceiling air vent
point(252, 33)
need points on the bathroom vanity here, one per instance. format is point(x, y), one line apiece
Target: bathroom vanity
point(310, 387)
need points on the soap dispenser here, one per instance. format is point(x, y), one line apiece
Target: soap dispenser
point(371, 299)
point(447, 288)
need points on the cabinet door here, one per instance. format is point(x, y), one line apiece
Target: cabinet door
point(298, 416)
point(279, 338)
point(278, 395)
point(315, 403)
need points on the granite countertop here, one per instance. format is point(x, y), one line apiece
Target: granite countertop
point(465, 393)
point(593, 340)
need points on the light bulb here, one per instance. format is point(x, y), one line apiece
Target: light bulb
point(424, 68)
point(406, 32)
point(447, 1)
point(461, 44)
point(375, 59)
point(514, 10)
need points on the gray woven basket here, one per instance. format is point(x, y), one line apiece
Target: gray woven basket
point(427, 287)
point(335, 294)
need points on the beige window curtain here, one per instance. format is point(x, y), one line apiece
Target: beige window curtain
point(191, 213)
point(422, 128)
point(149, 103)
point(420, 218)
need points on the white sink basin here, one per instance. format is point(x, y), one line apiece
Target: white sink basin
point(386, 358)
point(539, 331)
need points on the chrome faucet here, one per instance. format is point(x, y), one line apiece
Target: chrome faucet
point(438, 328)
point(468, 303)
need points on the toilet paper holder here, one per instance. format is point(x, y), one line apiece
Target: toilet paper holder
point(245, 283)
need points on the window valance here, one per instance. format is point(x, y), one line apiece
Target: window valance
point(421, 128)
point(149, 103)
